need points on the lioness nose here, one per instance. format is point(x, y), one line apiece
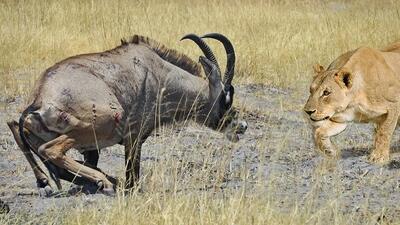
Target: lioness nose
point(309, 112)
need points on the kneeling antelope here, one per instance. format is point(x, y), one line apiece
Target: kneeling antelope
point(93, 101)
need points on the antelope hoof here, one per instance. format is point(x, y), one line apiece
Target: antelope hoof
point(46, 191)
point(100, 185)
point(75, 190)
point(108, 191)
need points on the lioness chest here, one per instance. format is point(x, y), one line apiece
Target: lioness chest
point(359, 114)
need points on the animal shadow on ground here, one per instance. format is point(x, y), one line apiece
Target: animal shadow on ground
point(393, 164)
point(354, 152)
point(395, 157)
point(362, 151)
point(76, 190)
point(4, 208)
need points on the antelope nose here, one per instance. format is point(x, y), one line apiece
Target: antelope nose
point(309, 112)
point(244, 125)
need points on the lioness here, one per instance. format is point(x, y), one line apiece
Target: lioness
point(362, 85)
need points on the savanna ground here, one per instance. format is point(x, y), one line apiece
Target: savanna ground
point(190, 174)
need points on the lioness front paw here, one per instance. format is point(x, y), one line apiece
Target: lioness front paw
point(378, 158)
point(328, 149)
point(330, 152)
point(325, 146)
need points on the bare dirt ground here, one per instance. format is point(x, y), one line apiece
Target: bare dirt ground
point(275, 157)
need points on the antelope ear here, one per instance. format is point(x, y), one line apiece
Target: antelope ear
point(318, 68)
point(344, 78)
point(229, 92)
point(210, 70)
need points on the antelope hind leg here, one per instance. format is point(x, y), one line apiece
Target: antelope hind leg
point(42, 179)
point(55, 150)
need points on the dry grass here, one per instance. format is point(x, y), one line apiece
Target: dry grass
point(277, 42)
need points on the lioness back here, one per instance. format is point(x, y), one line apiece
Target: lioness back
point(394, 47)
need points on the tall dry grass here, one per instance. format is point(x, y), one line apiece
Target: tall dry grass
point(277, 42)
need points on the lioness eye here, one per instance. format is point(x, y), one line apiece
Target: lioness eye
point(326, 93)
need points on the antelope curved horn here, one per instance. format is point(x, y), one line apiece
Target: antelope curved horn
point(230, 54)
point(203, 46)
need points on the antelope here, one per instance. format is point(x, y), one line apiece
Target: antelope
point(92, 101)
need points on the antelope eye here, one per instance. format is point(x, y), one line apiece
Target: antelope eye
point(326, 93)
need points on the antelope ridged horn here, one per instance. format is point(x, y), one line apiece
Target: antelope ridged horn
point(203, 46)
point(230, 54)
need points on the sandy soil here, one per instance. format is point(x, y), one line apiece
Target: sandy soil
point(276, 155)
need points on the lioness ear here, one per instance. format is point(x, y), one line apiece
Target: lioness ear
point(344, 79)
point(318, 68)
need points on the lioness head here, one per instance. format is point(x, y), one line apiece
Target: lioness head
point(328, 93)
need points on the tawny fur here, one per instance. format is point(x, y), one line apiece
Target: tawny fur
point(362, 85)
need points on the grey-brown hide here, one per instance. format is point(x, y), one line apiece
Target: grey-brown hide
point(92, 101)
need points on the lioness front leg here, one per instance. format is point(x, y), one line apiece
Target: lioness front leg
point(383, 136)
point(322, 136)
